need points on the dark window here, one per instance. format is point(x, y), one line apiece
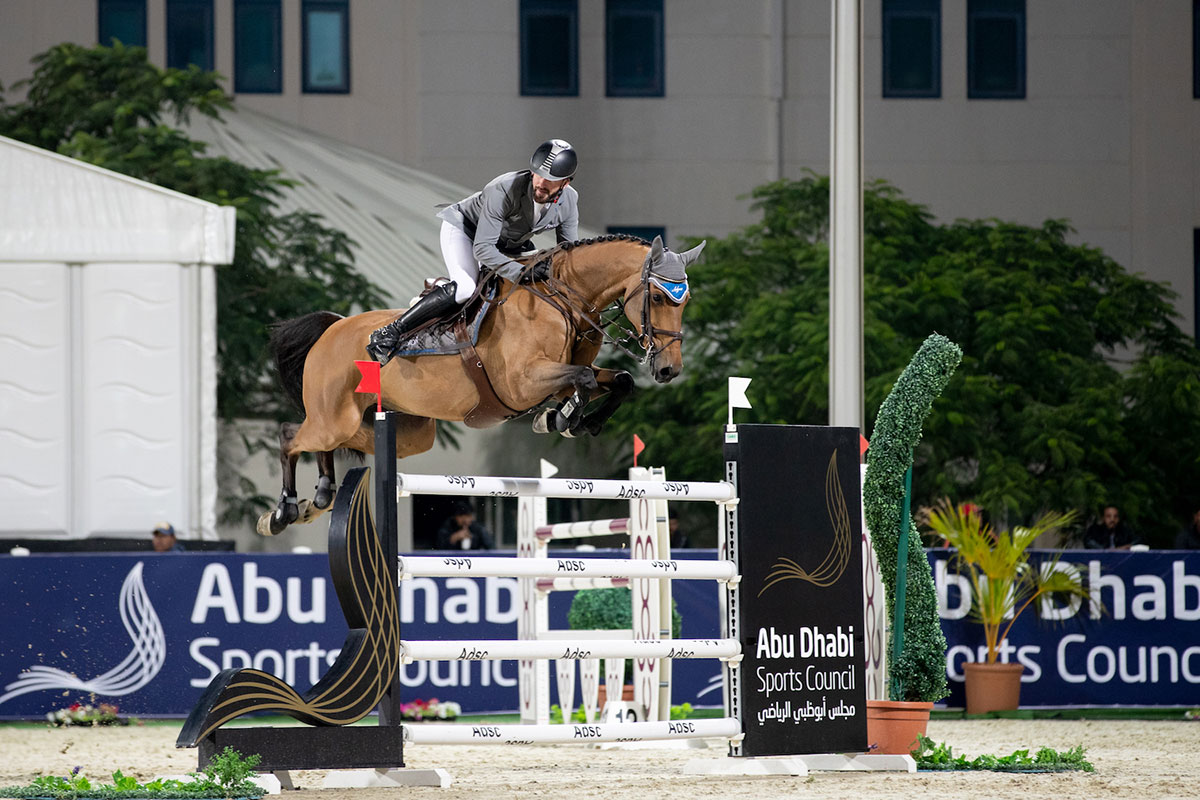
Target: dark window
point(190, 33)
point(634, 48)
point(912, 48)
point(1195, 48)
point(326, 46)
point(996, 49)
point(550, 47)
point(123, 20)
point(257, 47)
point(647, 232)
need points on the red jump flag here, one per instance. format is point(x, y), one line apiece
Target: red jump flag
point(370, 381)
point(638, 446)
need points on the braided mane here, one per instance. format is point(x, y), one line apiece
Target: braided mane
point(563, 247)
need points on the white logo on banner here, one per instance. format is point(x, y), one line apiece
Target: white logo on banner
point(135, 671)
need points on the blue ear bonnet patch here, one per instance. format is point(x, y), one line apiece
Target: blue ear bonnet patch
point(677, 290)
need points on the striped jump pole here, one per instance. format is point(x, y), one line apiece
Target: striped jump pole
point(585, 529)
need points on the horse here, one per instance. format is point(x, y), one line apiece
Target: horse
point(537, 344)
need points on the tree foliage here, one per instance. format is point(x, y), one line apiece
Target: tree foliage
point(1076, 387)
point(110, 107)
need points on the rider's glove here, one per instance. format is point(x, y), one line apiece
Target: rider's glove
point(538, 272)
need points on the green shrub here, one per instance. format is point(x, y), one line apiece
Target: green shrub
point(920, 672)
point(611, 610)
point(227, 776)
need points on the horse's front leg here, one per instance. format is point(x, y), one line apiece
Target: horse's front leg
point(618, 384)
point(566, 417)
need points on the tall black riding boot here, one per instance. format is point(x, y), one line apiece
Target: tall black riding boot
point(431, 306)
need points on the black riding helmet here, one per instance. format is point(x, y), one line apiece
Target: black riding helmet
point(554, 160)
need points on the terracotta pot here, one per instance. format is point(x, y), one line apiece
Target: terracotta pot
point(626, 694)
point(992, 687)
point(893, 725)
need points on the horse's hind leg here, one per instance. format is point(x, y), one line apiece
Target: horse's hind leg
point(327, 482)
point(286, 510)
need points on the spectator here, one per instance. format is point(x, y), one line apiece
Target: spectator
point(164, 539)
point(460, 531)
point(679, 539)
point(1110, 533)
point(1188, 537)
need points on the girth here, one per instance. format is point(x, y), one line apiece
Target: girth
point(490, 410)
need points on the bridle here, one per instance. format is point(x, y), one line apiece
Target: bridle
point(648, 339)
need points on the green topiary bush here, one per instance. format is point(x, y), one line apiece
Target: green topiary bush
point(920, 672)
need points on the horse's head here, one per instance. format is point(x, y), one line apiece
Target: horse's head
point(654, 304)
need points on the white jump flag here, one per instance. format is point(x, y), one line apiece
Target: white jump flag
point(548, 469)
point(737, 396)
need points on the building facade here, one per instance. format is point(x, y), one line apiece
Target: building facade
point(1018, 109)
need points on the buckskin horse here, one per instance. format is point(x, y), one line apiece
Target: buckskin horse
point(537, 344)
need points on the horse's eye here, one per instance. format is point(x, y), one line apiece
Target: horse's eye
point(656, 298)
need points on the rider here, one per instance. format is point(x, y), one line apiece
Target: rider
point(491, 227)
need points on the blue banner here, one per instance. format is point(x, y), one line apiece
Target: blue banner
point(1137, 644)
point(148, 631)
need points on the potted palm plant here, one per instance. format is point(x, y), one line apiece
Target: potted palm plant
point(1003, 585)
point(916, 668)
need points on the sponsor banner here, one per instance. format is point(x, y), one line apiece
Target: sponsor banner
point(1138, 644)
point(148, 632)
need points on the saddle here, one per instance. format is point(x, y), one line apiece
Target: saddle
point(458, 333)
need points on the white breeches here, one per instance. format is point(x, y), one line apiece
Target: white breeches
point(459, 253)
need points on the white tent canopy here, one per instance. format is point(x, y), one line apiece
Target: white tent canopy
point(108, 348)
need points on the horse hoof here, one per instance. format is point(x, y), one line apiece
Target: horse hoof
point(567, 434)
point(562, 423)
point(323, 497)
point(541, 421)
point(308, 512)
point(269, 524)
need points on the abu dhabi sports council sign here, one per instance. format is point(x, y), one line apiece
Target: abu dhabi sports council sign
point(799, 606)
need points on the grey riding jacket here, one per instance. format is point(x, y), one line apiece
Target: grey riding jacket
point(500, 220)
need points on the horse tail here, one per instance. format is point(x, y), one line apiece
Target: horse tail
point(290, 342)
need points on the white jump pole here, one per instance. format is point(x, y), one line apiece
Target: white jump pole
point(497, 567)
point(433, 733)
point(515, 649)
point(595, 489)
